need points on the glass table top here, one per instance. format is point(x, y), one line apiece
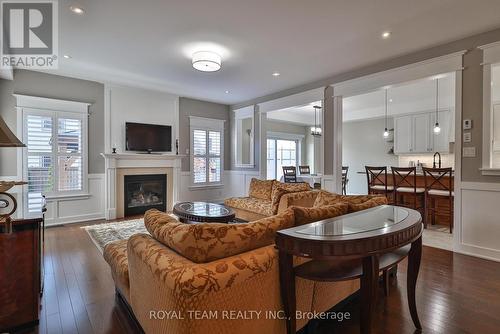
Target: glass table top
point(204, 209)
point(378, 218)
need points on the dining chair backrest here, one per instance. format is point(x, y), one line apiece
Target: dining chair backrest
point(304, 170)
point(376, 176)
point(404, 177)
point(438, 179)
point(290, 174)
point(345, 170)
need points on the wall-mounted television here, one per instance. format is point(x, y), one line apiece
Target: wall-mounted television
point(148, 137)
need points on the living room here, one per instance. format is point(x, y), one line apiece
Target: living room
point(163, 176)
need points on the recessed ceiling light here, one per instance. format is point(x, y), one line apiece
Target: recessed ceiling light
point(67, 56)
point(206, 61)
point(276, 74)
point(227, 92)
point(390, 100)
point(386, 34)
point(77, 10)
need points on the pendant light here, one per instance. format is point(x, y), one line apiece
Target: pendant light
point(316, 130)
point(386, 131)
point(437, 128)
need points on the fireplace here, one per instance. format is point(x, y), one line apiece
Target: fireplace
point(144, 192)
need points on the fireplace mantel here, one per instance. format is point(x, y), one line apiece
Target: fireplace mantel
point(116, 161)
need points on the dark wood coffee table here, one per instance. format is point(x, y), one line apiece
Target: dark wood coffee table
point(357, 245)
point(203, 212)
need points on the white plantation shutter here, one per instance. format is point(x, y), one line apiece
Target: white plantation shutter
point(206, 151)
point(55, 154)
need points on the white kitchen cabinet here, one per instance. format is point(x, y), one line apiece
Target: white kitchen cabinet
point(441, 141)
point(414, 134)
point(422, 128)
point(402, 135)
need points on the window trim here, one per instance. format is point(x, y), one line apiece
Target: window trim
point(206, 124)
point(491, 57)
point(35, 105)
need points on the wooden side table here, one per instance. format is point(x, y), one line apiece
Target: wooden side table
point(357, 245)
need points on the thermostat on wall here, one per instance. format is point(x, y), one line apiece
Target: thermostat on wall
point(467, 124)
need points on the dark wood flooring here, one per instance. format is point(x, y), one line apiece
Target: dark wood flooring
point(455, 293)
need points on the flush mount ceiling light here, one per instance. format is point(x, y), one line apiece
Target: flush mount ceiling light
point(386, 34)
point(77, 10)
point(206, 61)
point(276, 74)
point(66, 56)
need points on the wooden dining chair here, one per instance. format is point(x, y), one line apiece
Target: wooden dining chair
point(404, 181)
point(377, 182)
point(304, 170)
point(438, 187)
point(290, 174)
point(345, 180)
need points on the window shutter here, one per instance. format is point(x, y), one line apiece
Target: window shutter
point(69, 149)
point(40, 164)
point(199, 159)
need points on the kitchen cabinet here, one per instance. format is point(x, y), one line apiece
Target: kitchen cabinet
point(413, 134)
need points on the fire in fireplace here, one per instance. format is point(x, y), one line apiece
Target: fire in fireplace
point(144, 192)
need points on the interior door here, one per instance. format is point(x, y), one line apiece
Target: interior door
point(422, 140)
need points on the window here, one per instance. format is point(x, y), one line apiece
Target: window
point(55, 155)
point(207, 137)
point(280, 152)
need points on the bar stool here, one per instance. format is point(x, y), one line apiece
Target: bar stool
point(404, 180)
point(438, 185)
point(377, 182)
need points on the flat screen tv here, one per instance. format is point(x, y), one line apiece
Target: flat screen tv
point(148, 137)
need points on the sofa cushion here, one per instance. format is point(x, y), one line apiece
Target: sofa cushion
point(309, 215)
point(258, 205)
point(206, 242)
point(280, 189)
point(115, 254)
point(328, 198)
point(261, 189)
point(373, 202)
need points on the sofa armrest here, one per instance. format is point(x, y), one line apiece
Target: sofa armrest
point(162, 280)
point(303, 198)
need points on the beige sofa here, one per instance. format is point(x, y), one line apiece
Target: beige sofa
point(170, 277)
point(264, 199)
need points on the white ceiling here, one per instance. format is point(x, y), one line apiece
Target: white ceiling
point(150, 42)
point(406, 98)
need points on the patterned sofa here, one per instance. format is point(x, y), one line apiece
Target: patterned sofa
point(263, 200)
point(171, 278)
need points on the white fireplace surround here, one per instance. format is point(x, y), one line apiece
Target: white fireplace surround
point(117, 161)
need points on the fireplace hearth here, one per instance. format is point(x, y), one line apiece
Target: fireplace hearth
point(144, 192)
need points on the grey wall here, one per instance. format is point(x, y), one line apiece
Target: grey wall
point(58, 87)
point(190, 107)
point(472, 103)
point(363, 144)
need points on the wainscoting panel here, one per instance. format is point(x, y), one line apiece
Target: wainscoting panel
point(328, 183)
point(480, 220)
point(78, 209)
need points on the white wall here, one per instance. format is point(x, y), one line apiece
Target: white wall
point(128, 104)
point(363, 144)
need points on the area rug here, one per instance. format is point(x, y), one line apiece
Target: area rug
point(102, 234)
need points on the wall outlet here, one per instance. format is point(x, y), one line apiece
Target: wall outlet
point(467, 124)
point(467, 137)
point(469, 152)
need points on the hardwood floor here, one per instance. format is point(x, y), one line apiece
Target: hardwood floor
point(455, 293)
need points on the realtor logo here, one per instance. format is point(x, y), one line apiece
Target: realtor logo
point(29, 34)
